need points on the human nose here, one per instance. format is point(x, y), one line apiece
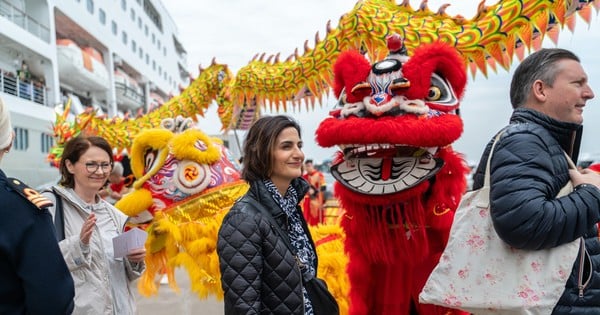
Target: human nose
point(298, 153)
point(588, 93)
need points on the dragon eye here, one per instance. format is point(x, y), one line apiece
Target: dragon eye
point(434, 93)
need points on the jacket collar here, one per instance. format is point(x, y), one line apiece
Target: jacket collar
point(261, 194)
point(567, 134)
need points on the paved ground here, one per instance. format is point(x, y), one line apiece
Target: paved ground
point(169, 302)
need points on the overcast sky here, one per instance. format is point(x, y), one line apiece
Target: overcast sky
point(233, 31)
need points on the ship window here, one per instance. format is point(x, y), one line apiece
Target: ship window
point(133, 46)
point(147, 59)
point(124, 5)
point(141, 52)
point(114, 27)
point(165, 51)
point(153, 39)
point(132, 14)
point(158, 44)
point(102, 16)
point(90, 6)
point(140, 22)
point(124, 37)
point(159, 70)
point(21, 139)
point(154, 65)
point(146, 29)
point(47, 142)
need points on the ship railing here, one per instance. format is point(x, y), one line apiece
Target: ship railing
point(25, 21)
point(32, 91)
point(129, 92)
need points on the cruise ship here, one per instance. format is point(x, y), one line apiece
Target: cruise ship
point(119, 57)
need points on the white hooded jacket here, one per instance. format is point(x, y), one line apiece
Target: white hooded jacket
point(103, 284)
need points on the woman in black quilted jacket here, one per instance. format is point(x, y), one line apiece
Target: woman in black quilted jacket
point(260, 274)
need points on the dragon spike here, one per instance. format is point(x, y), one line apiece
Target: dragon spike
point(317, 40)
point(269, 59)
point(277, 58)
point(67, 109)
point(255, 56)
point(586, 14)
point(289, 58)
point(553, 35)
point(570, 22)
point(296, 55)
point(423, 6)
point(306, 48)
point(442, 10)
point(405, 3)
point(200, 69)
point(328, 27)
point(262, 57)
point(481, 10)
point(214, 61)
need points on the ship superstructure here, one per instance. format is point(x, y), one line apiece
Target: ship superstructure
point(118, 57)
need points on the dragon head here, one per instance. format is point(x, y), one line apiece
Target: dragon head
point(175, 166)
point(395, 120)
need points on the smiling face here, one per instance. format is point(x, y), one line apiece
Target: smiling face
point(566, 98)
point(86, 181)
point(287, 159)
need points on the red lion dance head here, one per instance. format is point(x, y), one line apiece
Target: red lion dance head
point(397, 176)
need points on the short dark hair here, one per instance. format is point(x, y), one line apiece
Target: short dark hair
point(541, 65)
point(73, 151)
point(308, 161)
point(260, 143)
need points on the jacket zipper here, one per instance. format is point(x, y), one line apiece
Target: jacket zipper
point(582, 257)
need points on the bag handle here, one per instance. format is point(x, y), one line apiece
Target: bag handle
point(486, 178)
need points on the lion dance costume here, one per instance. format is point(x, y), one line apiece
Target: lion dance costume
point(397, 176)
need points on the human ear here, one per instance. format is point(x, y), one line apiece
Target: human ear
point(538, 90)
point(70, 166)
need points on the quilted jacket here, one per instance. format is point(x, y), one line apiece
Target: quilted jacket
point(528, 169)
point(259, 274)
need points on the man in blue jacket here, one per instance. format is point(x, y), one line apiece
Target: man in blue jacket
point(34, 278)
point(549, 91)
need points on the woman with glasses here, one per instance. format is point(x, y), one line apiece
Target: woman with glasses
point(103, 282)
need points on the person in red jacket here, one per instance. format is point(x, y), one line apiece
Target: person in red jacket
point(315, 198)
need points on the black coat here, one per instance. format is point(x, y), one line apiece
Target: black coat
point(528, 169)
point(34, 278)
point(259, 274)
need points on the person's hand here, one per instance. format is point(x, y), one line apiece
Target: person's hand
point(115, 195)
point(87, 229)
point(585, 176)
point(137, 255)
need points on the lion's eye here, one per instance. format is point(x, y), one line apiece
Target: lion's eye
point(434, 93)
point(440, 95)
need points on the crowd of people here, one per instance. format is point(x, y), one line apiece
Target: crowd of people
point(266, 252)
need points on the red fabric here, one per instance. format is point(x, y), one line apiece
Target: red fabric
point(117, 187)
point(395, 240)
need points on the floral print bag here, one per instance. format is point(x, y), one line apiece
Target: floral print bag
point(481, 274)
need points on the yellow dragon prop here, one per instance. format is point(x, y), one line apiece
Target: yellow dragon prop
point(494, 36)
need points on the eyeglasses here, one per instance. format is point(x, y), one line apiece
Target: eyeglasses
point(92, 167)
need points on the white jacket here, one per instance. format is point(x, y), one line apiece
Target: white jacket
point(103, 284)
